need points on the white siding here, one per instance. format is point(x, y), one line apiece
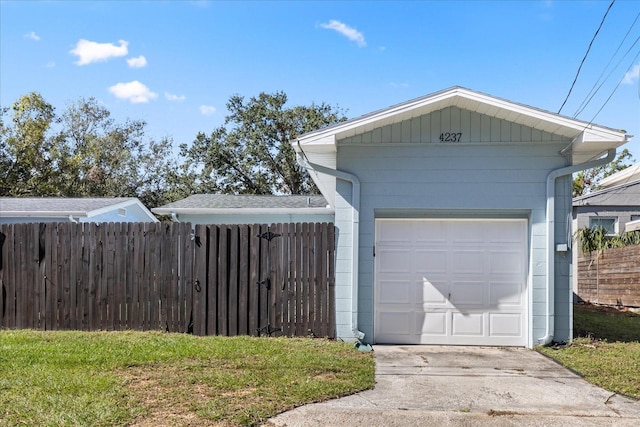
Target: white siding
point(132, 213)
point(474, 127)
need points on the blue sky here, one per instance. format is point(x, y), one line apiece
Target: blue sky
point(175, 64)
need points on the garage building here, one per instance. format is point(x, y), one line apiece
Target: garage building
point(453, 213)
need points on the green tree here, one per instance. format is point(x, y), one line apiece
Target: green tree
point(587, 181)
point(100, 156)
point(252, 153)
point(87, 154)
point(27, 149)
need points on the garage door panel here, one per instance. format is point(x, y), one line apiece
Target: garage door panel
point(397, 291)
point(505, 324)
point(508, 293)
point(397, 322)
point(451, 281)
point(395, 260)
point(505, 232)
point(465, 232)
point(430, 261)
point(505, 262)
point(430, 233)
point(433, 293)
point(401, 232)
point(467, 261)
point(432, 323)
point(468, 294)
point(463, 324)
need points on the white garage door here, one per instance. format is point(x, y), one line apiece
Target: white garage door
point(451, 281)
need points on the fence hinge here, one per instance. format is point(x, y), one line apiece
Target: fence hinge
point(374, 251)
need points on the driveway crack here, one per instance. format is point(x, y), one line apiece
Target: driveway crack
point(608, 403)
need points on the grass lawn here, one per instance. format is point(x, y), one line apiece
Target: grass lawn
point(153, 378)
point(605, 350)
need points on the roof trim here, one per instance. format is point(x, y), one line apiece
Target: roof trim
point(36, 214)
point(451, 97)
point(241, 211)
point(132, 201)
point(625, 174)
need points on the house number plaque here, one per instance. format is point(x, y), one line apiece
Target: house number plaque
point(450, 137)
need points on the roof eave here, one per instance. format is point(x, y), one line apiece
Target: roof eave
point(241, 211)
point(42, 214)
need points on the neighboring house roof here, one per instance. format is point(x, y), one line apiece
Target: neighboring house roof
point(586, 141)
point(630, 174)
point(63, 207)
point(228, 203)
point(627, 194)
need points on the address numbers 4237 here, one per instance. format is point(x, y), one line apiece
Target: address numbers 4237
point(450, 137)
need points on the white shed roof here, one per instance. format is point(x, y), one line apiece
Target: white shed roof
point(63, 207)
point(630, 174)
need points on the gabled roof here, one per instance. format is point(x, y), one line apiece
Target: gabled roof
point(587, 141)
point(228, 203)
point(63, 207)
point(630, 174)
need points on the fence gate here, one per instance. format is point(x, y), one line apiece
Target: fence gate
point(207, 280)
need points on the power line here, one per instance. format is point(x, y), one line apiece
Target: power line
point(615, 88)
point(586, 102)
point(585, 56)
point(593, 91)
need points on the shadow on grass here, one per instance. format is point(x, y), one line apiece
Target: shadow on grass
point(605, 323)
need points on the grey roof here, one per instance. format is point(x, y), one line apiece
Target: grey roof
point(230, 201)
point(627, 194)
point(60, 205)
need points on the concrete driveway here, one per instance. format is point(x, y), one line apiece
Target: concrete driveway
point(469, 386)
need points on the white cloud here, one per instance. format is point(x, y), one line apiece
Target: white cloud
point(134, 91)
point(88, 51)
point(632, 75)
point(207, 110)
point(50, 64)
point(172, 97)
point(401, 85)
point(138, 62)
point(33, 36)
point(350, 33)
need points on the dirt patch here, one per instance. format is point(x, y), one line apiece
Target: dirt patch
point(609, 310)
point(166, 404)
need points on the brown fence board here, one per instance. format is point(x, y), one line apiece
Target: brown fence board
point(232, 297)
point(254, 278)
point(211, 281)
point(299, 284)
point(200, 293)
point(611, 276)
point(188, 276)
point(7, 279)
point(243, 282)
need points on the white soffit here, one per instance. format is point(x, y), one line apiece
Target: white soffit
point(582, 133)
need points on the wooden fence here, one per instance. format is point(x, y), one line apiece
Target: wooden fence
point(610, 276)
point(211, 280)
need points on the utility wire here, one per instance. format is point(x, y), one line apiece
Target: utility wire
point(586, 102)
point(595, 90)
point(615, 88)
point(585, 56)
